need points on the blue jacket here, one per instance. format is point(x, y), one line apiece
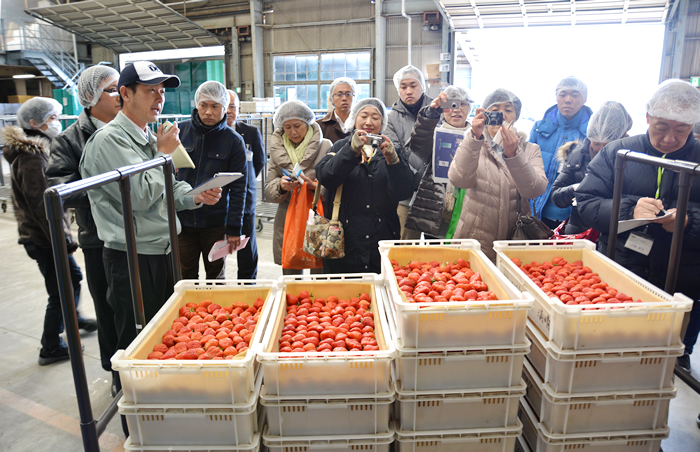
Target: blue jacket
point(219, 149)
point(255, 158)
point(549, 133)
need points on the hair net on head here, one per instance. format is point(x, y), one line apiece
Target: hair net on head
point(359, 106)
point(675, 100)
point(212, 91)
point(572, 83)
point(91, 83)
point(411, 72)
point(501, 96)
point(341, 81)
point(39, 109)
point(293, 109)
point(456, 91)
point(609, 123)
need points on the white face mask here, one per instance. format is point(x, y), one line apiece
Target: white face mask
point(54, 129)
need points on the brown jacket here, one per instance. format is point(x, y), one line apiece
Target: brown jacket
point(492, 184)
point(279, 159)
point(332, 129)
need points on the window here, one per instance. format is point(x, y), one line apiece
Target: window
point(307, 77)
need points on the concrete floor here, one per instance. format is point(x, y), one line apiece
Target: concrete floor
point(38, 404)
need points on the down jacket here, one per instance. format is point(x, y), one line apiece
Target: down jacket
point(371, 194)
point(279, 159)
point(28, 153)
point(492, 187)
point(574, 157)
point(594, 199)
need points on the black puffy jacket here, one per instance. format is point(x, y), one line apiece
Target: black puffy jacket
point(594, 199)
point(214, 150)
point(573, 170)
point(64, 167)
point(371, 194)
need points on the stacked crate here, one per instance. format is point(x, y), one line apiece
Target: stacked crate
point(200, 404)
point(336, 401)
point(458, 364)
point(602, 376)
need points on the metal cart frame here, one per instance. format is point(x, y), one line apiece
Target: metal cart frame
point(688, 172)
point(92, 428)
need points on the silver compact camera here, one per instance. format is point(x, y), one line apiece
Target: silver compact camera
point(374, 140)
point(494, 118)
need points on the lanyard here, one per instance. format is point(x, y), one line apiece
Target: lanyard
point(659, 173)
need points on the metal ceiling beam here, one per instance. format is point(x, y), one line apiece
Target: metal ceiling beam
point(476, 13)
point(679, 41)
point(523, 12)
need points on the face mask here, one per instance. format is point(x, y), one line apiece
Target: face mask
point(54, 129)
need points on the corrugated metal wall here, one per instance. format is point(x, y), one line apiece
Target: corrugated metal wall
point(690, 65)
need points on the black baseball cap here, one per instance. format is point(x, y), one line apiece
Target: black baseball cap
point(146, 73)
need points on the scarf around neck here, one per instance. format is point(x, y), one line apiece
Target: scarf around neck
point(296, 152)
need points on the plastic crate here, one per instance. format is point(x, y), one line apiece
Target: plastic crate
point(575, 372)
point(540, 440)
point(521, 445)
point(201, 382)
point(328, 374)
point(655, 323)
point(254, 447)
point(595, 412)
point(190, 424)
point(454, 324)
point(473, 440)
point(329, 443)
point(456, 410)
point(349, 415)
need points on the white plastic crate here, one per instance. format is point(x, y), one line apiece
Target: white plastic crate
point(200, 382)
point(540, 440)
point(328, 443)
point(473, 440)
point(254, 447)
point(595, 412)
point(457, 410)
point(575, 372)
point(654, 323)
point(348, 415)
point(337, 373)
point(454, 324)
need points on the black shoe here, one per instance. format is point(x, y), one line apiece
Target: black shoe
point(87, 325)
point(684, 362)
point(60, 354)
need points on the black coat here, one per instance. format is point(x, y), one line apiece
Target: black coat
point(371, 194)
point(594, 198)
point(255, 160)
point(64, 167)
point(572, 172)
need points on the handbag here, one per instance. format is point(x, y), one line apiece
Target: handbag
point(293, 254)
point(325, 238)
point(589, 234)
point(529, 227)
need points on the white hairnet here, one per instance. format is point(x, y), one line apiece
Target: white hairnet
point(341, 81)
point(573, 83)
point(456, 91)
point(91, 83)
point(293, 109)
point(611, 122)
point(411, 72)
point(361, 104)
point(212, 91)
point(39, 109)
point(675, 100)
point(501, 96)
point(236, 100)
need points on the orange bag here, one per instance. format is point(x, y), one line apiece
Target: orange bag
point(293, 254)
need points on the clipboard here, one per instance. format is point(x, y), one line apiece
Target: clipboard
point(218, 181)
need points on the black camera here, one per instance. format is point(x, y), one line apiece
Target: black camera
point(374, 140)
point(494, 118)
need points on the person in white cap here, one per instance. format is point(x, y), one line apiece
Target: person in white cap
point(671, 113)
point(341, 97)
point(410, 84)
point(127, 140)
point(97, 93)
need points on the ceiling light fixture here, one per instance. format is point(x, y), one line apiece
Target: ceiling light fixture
point(24, 76)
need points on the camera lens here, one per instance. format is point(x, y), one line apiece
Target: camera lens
point(454, 106)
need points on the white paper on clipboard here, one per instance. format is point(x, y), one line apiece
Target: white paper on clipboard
point(626, 225)
point(218, 181)
point(445, 143)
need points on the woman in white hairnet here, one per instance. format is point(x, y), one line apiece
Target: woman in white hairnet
point(373, 179)
point(297, 139)
point(610, 123)
point(498, 168)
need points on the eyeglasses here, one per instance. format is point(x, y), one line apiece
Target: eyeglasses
point(110, 90)
point(345, 94)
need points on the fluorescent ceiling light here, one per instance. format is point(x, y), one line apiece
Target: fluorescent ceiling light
point(24, 76)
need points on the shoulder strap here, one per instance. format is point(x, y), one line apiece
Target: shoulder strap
point(336, 203)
